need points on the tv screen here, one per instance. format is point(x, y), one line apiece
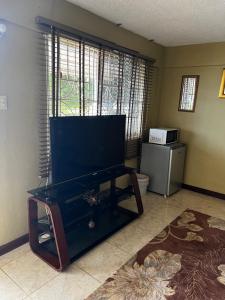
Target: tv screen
point(86, 145)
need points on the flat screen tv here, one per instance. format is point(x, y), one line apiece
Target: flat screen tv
point(86, 145)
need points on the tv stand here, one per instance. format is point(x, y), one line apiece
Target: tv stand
point(79, 215)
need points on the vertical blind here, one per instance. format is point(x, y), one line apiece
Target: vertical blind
point(85, 79)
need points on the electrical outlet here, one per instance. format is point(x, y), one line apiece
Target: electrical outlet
point(3, 103)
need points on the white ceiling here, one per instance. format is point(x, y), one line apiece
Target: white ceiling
point(167, 22)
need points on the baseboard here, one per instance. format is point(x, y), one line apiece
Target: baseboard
point(203, 191)
point(14, 244)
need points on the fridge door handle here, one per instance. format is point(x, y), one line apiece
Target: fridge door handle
point(169, 175)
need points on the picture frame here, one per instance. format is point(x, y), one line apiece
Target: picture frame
point(188, 93)
point(222, 86)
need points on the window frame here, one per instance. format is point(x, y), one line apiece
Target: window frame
point(197, 78)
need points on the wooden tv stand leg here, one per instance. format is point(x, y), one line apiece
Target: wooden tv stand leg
point(137, 194)
point(60, 261)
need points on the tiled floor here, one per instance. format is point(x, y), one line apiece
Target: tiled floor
point(24, 276)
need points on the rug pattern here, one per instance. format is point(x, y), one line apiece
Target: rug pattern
point(185, 261)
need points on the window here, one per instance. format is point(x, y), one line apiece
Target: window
point(93, 81)
point(87, 79)
point(188, 93)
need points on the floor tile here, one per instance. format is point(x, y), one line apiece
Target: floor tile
point(130, 203)
point(158, 218)
point(148, 197)
point(203, 203)
point(103, 261)
point(29, 272)
point(73, 284)
point(130, 239)
point(8, 257)
point(9, 290)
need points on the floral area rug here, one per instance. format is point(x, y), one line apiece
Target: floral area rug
point(186, 261)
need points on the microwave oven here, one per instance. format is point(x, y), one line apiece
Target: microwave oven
point(163, 136)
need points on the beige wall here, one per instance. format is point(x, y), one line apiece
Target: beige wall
point(204, 130)
point(19, 81)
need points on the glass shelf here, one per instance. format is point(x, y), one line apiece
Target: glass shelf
point(74, 187)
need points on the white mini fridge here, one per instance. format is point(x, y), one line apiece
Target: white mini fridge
point(164, 164)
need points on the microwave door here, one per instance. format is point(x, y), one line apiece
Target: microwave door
point(171, 136)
